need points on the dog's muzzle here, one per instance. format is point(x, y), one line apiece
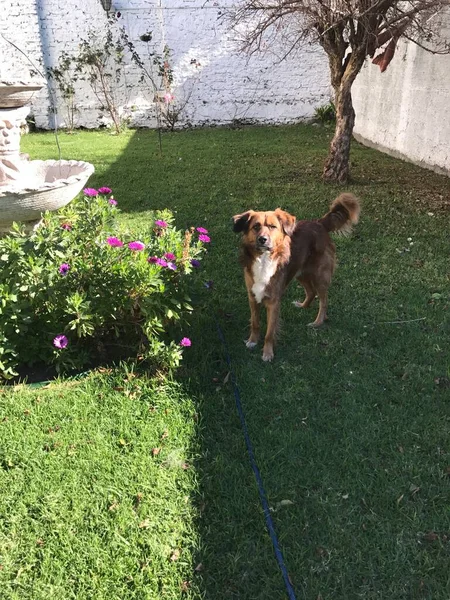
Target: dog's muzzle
point(263, 243)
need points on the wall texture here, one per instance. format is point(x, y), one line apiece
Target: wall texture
point(405, 110)
point(212, 81)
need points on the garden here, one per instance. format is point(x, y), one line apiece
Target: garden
point(124, 472)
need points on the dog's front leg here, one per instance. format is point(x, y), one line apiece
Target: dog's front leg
point(255, 310)
point(273, 312)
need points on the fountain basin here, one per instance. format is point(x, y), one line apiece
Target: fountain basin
point(46, 185)
point(16, 94)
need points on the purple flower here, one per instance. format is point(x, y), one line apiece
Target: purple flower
point(104, 190)
point(90, 192)
point(152, 259)
point(60, 341)
point(172, 266)
point(202, 230)
point(66, 226)
point(195, 263)
point(64, 269)
point(136, 246)
point(113, 241)
point(112, 201)
point(169, 256)
point(161, 262)
point(161, 223)
point(186, 342)
point(204, 238)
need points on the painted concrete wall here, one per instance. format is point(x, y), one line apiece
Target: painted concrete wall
point(405, 110)
point(215, 83)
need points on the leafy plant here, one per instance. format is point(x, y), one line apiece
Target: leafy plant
point(65, 76)
point(325, 114)
point(100, 60)
point(80, 290)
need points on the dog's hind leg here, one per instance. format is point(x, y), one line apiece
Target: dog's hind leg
point(322, 292)
point(309, 291)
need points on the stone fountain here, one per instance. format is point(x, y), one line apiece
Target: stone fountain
point(29, 188)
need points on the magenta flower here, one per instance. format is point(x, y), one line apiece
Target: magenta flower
point(112, 201)
point(161, 262)
point(172, 266)
point(170, 256)
point(161, 223)
point(136, 246)
point(64, 269)
point(104, 190)
point(168, 97)
point(186, 342)
point(195, 263)
point(113, 241)
point(60, 341)
point(66, 226)
point(204, 238)
point(152, 259)
point(202, 230)
point(90, 192)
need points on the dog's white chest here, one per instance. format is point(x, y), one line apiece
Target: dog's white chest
point(263, 270)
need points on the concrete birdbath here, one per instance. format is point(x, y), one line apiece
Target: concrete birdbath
point(29, 188)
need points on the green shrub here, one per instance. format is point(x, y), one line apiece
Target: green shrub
point(79, 289)
point(325, 114)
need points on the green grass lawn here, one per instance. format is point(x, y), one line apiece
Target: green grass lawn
point(350, 423)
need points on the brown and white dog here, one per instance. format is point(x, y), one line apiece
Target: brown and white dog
point(276, 249)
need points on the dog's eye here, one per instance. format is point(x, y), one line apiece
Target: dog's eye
point(256, 226)
point(272, 226)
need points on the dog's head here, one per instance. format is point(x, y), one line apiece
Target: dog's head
point(264, 231)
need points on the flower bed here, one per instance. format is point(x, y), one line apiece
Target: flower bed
point(80, 289)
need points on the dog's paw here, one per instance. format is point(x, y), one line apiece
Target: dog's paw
point(250, 344)
point(315, 325)
point(267, 355)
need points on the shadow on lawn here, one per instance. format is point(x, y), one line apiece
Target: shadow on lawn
point(338, 421)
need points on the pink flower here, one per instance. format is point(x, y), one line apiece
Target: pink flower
point(186, 342)
point(90, 192)
point(152, 259)
point(60, 341)
point(168, 97)
point(169, 256)
point(66, 226)
point(112, 201)
point(104, 190)
point(64, 269)
point(161, 262)
point(202, 230)
point(204, 238)
point(161, 223)
point(113, 241)
point(136, 246)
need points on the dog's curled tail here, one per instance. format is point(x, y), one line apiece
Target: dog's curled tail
point(344, 212)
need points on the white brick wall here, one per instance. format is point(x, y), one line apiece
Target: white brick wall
point(225, 86)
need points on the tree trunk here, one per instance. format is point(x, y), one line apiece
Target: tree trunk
point(337, 164)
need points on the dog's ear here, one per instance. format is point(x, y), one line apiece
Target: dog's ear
point(242, 221)
point(287, 221)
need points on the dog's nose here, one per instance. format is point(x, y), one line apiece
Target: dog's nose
point(262, 240)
